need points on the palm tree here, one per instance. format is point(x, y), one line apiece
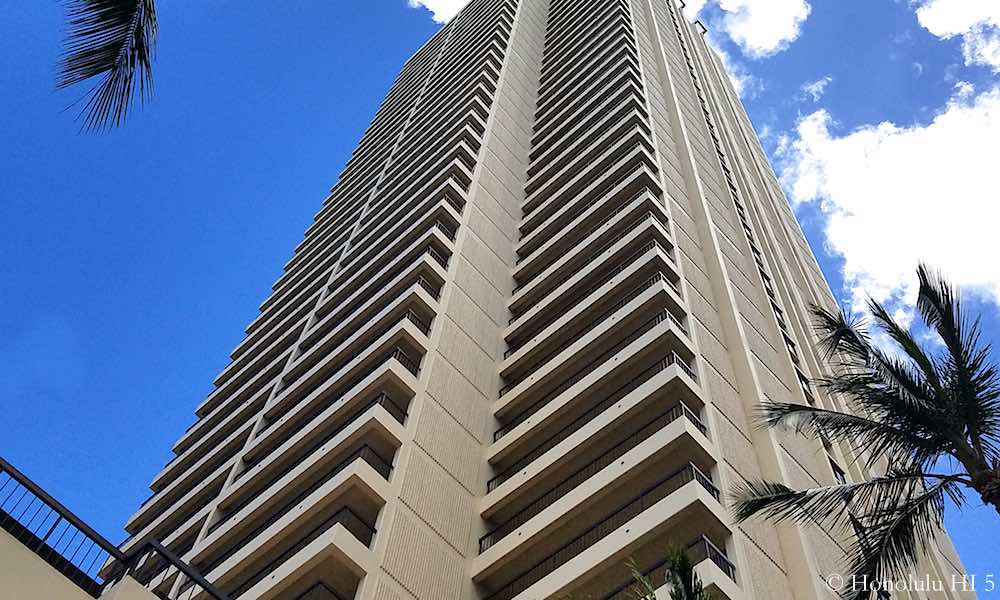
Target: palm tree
point(115, 41)
point(928, 421)
point(679, 575)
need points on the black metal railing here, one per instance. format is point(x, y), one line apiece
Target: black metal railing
point(536, 199)
point(404, 359)
point(700, 549)
point(64, 541)
point(582, 209)
point(396, 353)
point(569, 381)
point(618, 517)
point(619, 393)
point(357, 526)
point(365, 453)
point(565, 275)
point(590, 469)
point(604, 220)
point(596, 198)
point(382, 399)
point(609, 275)
point(433, 253)
point(645, 327)
point(430, 289)
point(592, 323)
point(448, 231)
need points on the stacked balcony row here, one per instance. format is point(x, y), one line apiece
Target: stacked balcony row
point(290, 459)
point(600, 445)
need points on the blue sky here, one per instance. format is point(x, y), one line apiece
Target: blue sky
point(133, 260)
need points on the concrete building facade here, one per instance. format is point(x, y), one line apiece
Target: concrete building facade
point(522, 341)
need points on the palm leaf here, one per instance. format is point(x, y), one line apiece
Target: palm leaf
point(828, 505)
point(893, 538)
point(841, 332)
point(880, 438)
point(115, 41)
point(973, 381)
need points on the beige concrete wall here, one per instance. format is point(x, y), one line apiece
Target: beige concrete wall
point(127, 589)
point(25, 576)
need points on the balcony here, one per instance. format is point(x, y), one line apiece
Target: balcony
point(591, 287)
point(526, 357)
point(621, 235)
point(589, 374)
point(716, 571)
point(686, 500)
point(533, 459)
point(621, 446)
point(331, 518)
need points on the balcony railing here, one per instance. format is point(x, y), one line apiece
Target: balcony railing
point(569, 381)
point(663, 315)
point(592, 323)
point(365, 452)
point(701, 548)
point(357, 526)
point(74, 549)
point(594, 255)
point(597, 198)
point(531, 204)
point(551, 441)
point(381, 399)
point(624, 264)
point(589, 470)
point(605, 527)
point(606, 219)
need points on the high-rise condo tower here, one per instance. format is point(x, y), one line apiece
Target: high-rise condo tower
point(523, 341)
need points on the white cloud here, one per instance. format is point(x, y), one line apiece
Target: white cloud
point(763, 27)
point(816, 89)
point(976, 21)
point(693, 7)
point(442, 11)
point(759, 27)
point(745, 84)
point(893, 196)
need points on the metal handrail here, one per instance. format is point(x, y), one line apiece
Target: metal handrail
point(357, 526)
point(422, 282)
point(657, 578)
point(659, 317)
point(397, 353)
point(647, 430)
point(437, 256)
point(567, 382)
point(597, 198)
point(592, 323)
point(57, 522)
point(621, 515)
point(364, 452)
point(381, 399)
point(624, 264)
point(635, 224)
point(586, 417)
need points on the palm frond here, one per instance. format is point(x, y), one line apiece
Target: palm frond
point(973, 380)
point(828, 505)
point(928, 370)
point(891, 539)
point(879, 438)
point(643, 587)
point(841, 332)
point(114, 40)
